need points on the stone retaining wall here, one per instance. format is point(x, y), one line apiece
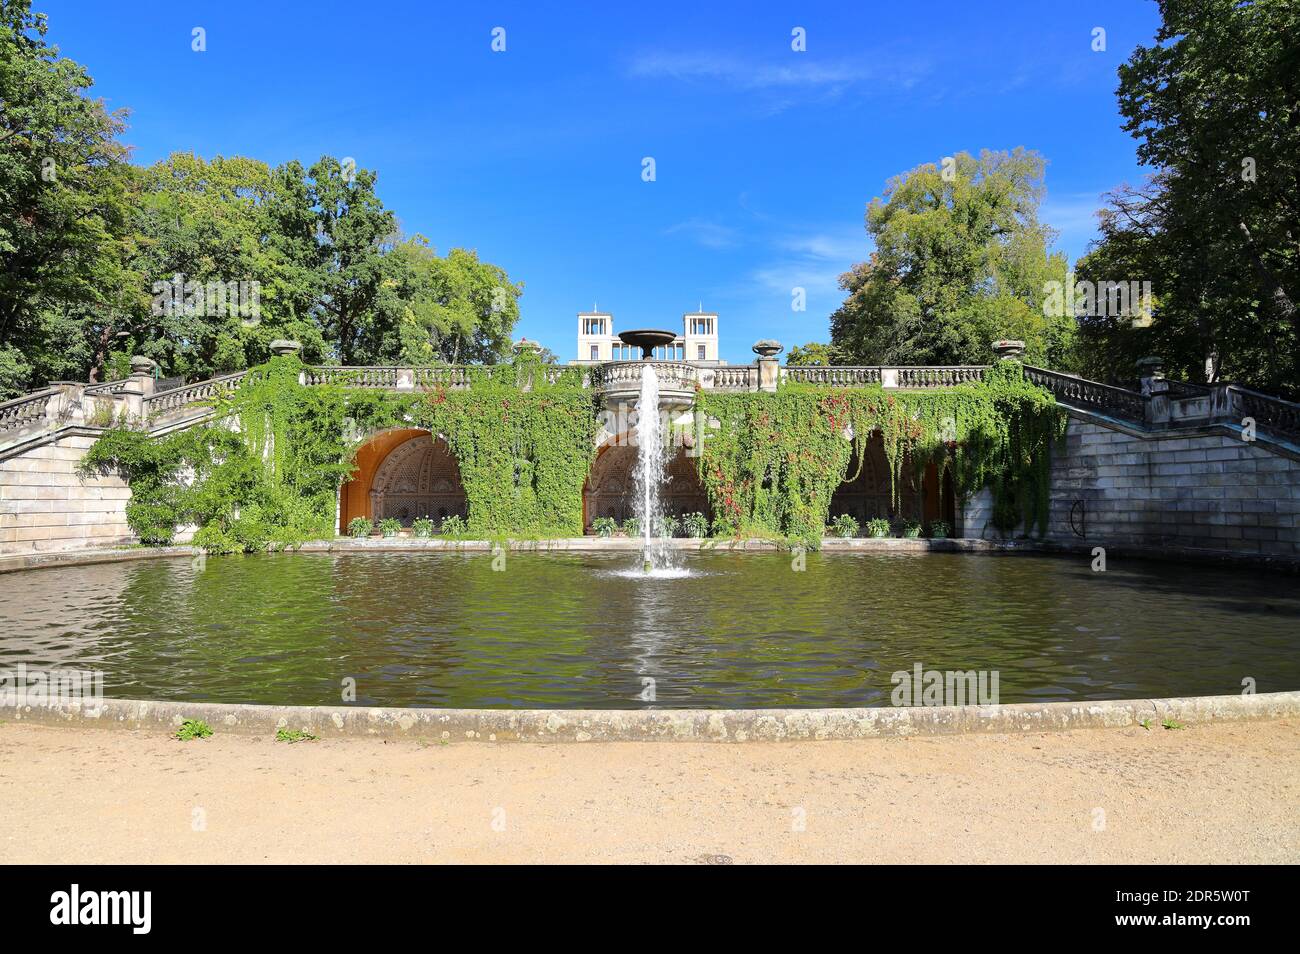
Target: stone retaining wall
point(1194, 491)
point(45, 505)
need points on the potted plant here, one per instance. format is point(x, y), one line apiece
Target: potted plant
point(453, 526)
point(604, 526)
point(911, 528)
point(939, 530)
point(360, 527)
point(667, 526)
point(844, 526)
point(390, 526)
point(695, 525)
point(632, 527)
point(877, 527)
point(423, 527)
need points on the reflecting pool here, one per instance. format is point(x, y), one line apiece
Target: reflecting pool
point(572, 630)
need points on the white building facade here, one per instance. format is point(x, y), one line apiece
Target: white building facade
point(698, 342)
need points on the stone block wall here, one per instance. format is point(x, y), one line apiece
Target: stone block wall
point(45, 505)
point(1208, 491)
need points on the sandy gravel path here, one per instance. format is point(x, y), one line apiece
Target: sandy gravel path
point(1207, 793)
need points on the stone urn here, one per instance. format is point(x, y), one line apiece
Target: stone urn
point(1008, 349)
point(768, 348)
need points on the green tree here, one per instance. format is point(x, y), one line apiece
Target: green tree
point(1214, 104)
point(63, 206)
point(961, 260)
point(814, 353)
point(356, 231)
point(444, 310)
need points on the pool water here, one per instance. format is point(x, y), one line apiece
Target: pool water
point(574, 630)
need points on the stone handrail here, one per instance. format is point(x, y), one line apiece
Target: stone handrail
point(177, 398)
point(109, 387)
point(626, 375)
point(841, 376)
point(1269, 413)
point(27, 409)
point(1185, 390)
point(1090, 395)
point(1192, 404)
point(735, 377)
point(915, 378)
point(356, 377)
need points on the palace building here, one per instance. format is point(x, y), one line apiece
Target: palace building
point(698, 342)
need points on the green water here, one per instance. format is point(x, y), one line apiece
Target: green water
point(565, 630)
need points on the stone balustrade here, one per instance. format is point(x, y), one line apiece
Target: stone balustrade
point(1160, 404)
point(28, 409)
point(1091, 395)
point(190, 394)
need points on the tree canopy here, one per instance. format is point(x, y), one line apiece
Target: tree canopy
point(960, 260)
point(1214, 104)
point(201, 263)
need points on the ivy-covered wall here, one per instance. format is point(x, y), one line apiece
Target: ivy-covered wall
point(523, 445)
point(266, 472)
point(772, 461)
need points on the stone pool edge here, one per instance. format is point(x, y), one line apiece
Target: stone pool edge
point(12, 563)
point(661, 725)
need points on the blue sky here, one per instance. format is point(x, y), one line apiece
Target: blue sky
point(765, 157)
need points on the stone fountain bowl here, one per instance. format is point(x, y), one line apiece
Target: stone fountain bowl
point(647, 340)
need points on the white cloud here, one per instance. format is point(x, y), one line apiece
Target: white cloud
point(705, 232)
point(795, 72)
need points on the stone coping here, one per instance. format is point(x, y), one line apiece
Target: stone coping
point(64, 558)
point(657, 725)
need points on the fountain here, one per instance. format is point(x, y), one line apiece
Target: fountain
point(649, 473)
point(647, 340)
point(656, 553)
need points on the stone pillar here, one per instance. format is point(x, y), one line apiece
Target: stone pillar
point(140, 385)
point(68, 404)
point(769, 368)
point(1151, 374)
point(1008, 349)
point(141, 376)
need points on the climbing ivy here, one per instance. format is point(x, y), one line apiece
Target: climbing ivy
point(771, 461)
point(266, 472)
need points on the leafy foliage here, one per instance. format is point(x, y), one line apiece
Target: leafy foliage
point(193, 729)
point(774, 460)
point(523, 445)
point(815, 354)
point(960, 260)
point(63, 205)
point(1213, 106)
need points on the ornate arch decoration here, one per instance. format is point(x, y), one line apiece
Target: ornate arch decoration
point(418, 478)
point(610, 490)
